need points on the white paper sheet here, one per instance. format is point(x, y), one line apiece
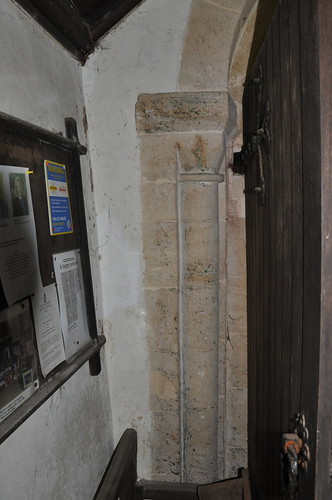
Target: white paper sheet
point(73, 317)
point(19, 266)
point(48, 330)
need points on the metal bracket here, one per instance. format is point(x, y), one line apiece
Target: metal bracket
point(259, 139)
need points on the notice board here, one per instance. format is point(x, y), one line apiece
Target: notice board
point(43, 170)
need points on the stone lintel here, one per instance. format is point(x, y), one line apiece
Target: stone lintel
point(181, 112)
point(201, 177)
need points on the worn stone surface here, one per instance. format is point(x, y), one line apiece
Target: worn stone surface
point(236, 330)
point(199, 201)
point(238, 67)
point(162, 318)
point(158, 153)
point(195, 303)
point(180, 244)
point(236, 417)
point(201, 152)
point(201, 264)
point(200, 445)
point(234, 457)
point(181, 112)
point(236, 250)
point(237, 304)
point(236, 198)
point(207, 48)
point(166, 425)
point(202, 309)
point(160, 249)
point(159, 201)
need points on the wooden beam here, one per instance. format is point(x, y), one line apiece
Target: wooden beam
point(76, 32)
point(105, 18)
point(78, 46)
point(165, 490)
point(120, 476)
point(14, 124)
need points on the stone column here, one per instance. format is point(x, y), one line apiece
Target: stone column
point(199, 311)
point(182, 147)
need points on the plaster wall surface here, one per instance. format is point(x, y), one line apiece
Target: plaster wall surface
point(141, 55)
point(53, 454)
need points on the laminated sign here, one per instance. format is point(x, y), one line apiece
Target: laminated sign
point(58, 199)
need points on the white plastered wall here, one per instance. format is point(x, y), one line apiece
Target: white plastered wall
point(53, 454)
point(141, 55)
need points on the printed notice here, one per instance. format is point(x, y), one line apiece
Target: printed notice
point(73, 318)
point(48, 329)
point(57, 198)
point(19, 266)
point(18, 373)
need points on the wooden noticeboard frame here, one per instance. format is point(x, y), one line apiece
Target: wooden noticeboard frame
point(25, 145)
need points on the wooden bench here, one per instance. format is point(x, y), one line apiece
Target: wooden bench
point(120, 481)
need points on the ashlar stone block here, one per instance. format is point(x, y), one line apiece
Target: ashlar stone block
point(165, 448)
point(202, 152)
point(236, 417)
point(202, 375)
point(159, 157)
point(201, 260)
point(235, 459)
point(201, 447)
point(199, 201)
point(200, 322)
point(236, 298)
point(162, 318)
point(207, 48)
point(163, 390)
point(160, 253)
point(159, 201)
point(236, 247)
point(181, 112)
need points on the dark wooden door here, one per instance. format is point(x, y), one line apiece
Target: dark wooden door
point(287, 149)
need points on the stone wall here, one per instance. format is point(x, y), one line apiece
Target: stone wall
point(182, 144)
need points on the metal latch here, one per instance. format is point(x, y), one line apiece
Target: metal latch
point(295, 455)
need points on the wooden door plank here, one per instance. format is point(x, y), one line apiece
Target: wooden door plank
point(311, 227)
point(297, 210)
point(287, 216)
point(324, 455)
point(265, 342)
point(249, 182)
point(271, 306)
point(277, 283)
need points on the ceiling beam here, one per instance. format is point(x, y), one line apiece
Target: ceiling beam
point(77, 33)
